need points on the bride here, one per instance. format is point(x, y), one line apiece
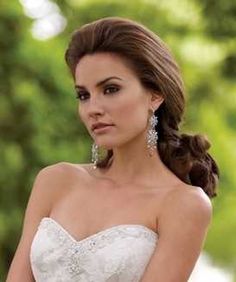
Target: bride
point(140, 213)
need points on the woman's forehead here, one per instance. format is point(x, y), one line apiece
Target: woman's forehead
point(98, 66)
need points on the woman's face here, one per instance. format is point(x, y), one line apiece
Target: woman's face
point(110, 92)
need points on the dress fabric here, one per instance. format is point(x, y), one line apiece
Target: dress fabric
point(116, 254)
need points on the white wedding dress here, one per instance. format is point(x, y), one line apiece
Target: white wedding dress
point(117, 254)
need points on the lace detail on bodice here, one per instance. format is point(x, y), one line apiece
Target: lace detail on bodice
point(116, 254)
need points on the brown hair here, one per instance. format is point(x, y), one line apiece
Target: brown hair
point(185, 155)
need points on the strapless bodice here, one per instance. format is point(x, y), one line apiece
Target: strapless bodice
point(116, 254)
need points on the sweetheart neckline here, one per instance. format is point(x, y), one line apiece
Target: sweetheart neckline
point(89, 237)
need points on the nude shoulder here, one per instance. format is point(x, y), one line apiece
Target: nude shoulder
point(189, 202)
point(193, 195)
point(56, 179)
point(62, 170)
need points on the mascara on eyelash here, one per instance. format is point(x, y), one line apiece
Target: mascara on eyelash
point(78, 96)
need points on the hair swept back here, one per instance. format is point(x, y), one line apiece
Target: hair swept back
point(184, 154)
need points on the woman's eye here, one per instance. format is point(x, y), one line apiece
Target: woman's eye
point(111, 89)
point(80, 95)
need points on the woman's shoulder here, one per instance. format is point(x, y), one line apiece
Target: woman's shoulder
point(188, 201)
point(60, 176)
point(63, 169)
point(188, 193)
point(55, 180)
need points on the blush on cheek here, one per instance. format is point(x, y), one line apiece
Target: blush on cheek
point(127, 109)
point(133, 110)
point(133, 118)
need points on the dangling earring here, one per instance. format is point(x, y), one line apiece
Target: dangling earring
point(152, 135)
point(95, 155)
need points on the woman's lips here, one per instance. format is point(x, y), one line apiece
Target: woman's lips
point(102, 129)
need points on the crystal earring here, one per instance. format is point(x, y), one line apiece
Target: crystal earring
point(152, 135)
point(95, 155)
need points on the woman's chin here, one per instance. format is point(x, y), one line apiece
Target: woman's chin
point(105, 143)
point(105, 146)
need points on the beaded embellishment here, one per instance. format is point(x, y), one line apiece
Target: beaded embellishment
point(76, 254)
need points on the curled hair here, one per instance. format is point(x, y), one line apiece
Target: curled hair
point(185, 155)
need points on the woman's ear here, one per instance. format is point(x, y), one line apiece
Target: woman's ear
point(156, 100)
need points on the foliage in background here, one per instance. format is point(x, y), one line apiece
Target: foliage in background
point(39, 124)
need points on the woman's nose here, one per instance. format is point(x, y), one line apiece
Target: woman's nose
point(95, 107)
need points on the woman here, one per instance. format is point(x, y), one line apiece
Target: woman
point(142, 212)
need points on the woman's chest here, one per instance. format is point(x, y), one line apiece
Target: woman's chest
point(91, 207)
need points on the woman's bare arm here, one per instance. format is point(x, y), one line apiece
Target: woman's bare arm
point(183, 225)
point(43, 194)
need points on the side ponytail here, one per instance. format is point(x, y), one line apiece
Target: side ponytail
point(189, 160)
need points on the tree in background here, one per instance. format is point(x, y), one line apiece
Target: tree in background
point(39, 124)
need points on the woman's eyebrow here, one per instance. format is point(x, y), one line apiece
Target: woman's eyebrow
point(100, 82)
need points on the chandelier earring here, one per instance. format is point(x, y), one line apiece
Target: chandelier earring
point(152, 134)
point(95, 155)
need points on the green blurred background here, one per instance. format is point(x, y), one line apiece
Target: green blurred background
point(39, 124)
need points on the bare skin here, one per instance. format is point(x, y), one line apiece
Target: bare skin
point(97, 202)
